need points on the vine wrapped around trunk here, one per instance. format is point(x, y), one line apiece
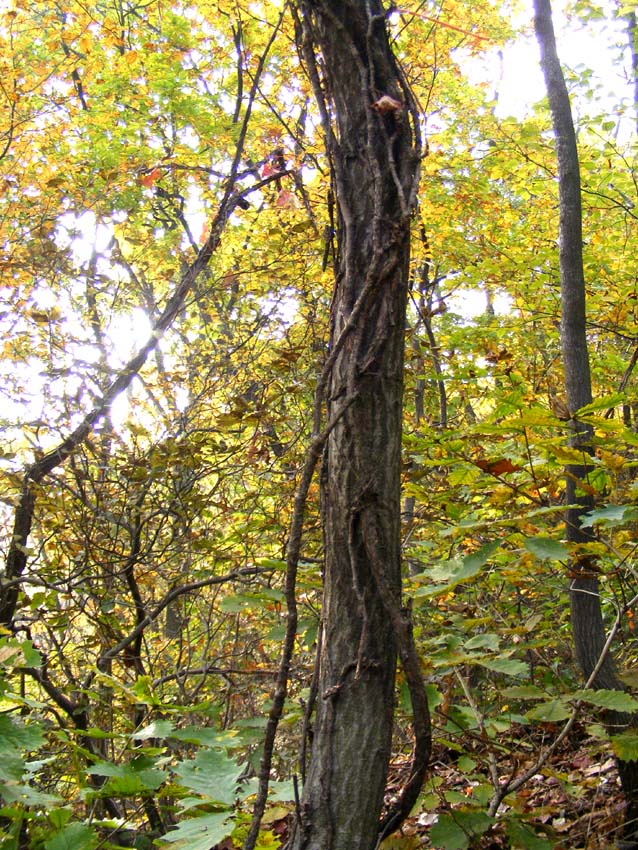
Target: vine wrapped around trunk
point(372, 137)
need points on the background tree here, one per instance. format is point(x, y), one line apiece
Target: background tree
point(590, 643)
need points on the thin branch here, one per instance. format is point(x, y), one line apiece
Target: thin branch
point(37, 471)
point(169, 597)
point(511, 786)
point(293, 555)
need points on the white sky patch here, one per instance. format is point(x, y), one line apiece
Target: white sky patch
point(125, 333)
point(515, 75)
point(84, 234)
point(128, 332)
point(472, 303)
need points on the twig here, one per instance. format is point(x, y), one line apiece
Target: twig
point(513, 785)
point(292, 561)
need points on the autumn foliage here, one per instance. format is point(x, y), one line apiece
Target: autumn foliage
point(168, 244)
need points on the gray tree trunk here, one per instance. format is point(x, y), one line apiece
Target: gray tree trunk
point(588, 627)
point(372, 141)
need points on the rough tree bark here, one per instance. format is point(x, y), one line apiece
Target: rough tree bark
point(588, 628)
point(372, 137)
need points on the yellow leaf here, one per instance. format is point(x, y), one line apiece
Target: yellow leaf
point(567, 455)
point(611, 460)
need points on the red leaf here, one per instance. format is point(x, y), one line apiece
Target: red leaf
point(287, 200)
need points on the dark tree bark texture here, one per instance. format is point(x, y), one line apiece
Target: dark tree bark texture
point(369, 120)
point(588, 627)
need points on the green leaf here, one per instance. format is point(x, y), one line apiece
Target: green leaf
point(16, 736)
point(27, 795)
point(602, 403)
point(452, 574)
point(143, 690)
point(545, 548)
point(212, 774)
point(552, 711)
point(200, 833)
point(106, 768)
point(535, 416)
point(523, 836)
point(565, 454)
point(455, 830)
point(613, 700)
point(301, 226)
point(134, 777)
point(282, 792)
point(625, 745)
point(434, 695)
point(610, 516)
point(75, 836)
point(98, 734)
point(32, 657)
point(479, 558)
point(12, 767)
point(207, 736)
point(238, 602)
point(130, 785)
point(156, 729)
point(523, 692)
point(59, 817)
point(272, 563)
point(487, 641)
point(508, 666)
point(448, 835)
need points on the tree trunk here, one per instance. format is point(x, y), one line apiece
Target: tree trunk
point(588, 627)
point(372, 142)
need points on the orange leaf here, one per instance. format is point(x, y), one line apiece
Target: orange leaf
point(560, 408)
point(497, 467)
point(150, 177)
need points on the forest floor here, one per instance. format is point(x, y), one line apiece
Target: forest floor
point(574, 804)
